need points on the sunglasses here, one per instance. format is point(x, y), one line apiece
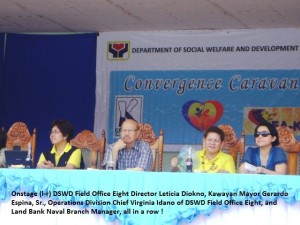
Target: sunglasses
point(262, 133)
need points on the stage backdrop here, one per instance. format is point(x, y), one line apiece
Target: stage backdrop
point(186, 81)
point(47, 77)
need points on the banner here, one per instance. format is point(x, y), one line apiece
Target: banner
point(185, 81)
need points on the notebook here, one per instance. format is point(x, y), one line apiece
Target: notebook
point(15, 157)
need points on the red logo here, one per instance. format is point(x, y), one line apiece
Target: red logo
point(118, 50)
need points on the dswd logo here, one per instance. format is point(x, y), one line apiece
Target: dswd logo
point(118, 50)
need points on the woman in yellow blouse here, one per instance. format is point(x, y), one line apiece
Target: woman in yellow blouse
point(62, 155)
point(211, 158)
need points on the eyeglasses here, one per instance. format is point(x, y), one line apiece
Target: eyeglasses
point(262, 133)
point(128, 130)
point(54, 132)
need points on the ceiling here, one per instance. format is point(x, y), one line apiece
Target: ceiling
point(145, 15)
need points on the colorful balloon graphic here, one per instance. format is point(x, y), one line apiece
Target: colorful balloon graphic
point(258, 116)
point(202, 115)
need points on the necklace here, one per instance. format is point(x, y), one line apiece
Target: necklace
point(212, 167)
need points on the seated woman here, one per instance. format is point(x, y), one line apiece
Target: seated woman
point(211, 158)
point(266, 157)
point(62, 155)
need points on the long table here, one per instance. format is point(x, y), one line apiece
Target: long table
point(138, 198)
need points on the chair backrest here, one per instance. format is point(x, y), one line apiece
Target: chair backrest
point(291, 146)
point(232, 144)
point(91, 147)
point(147, 134)
point(18, 136)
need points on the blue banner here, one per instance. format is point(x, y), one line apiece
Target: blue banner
point(184, 103)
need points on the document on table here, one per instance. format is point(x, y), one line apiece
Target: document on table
point(250, 167)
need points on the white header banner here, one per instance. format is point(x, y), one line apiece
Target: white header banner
point(248, 51)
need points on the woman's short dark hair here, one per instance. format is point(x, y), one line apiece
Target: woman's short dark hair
point(65, 127)
point(217, 130)
point(3, 138)
point(272, 129)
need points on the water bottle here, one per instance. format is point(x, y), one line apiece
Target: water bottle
point(189, 162)
point(28, 158)
point(110, 163)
